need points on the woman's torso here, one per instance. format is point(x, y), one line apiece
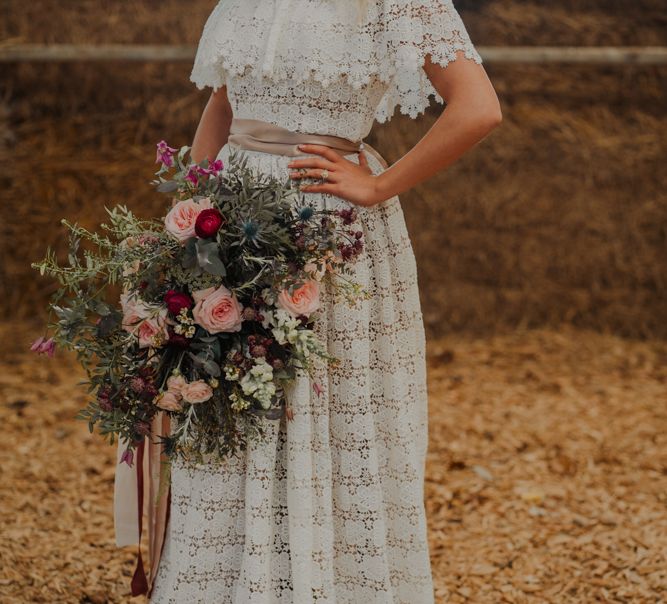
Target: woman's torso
point(307, 106)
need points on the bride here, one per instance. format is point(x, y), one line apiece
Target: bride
point(329, 508)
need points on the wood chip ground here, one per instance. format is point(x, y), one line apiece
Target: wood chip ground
point(546, 474)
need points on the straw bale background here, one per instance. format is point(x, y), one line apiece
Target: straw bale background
point(543, 283)
point(558, 217)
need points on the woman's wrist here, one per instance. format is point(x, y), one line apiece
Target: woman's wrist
point(383, 188)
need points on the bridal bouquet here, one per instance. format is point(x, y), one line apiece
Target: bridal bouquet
point(208, 313)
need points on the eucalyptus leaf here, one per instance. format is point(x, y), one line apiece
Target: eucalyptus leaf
point(168, 186)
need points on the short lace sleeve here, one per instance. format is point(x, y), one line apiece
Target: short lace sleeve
point(325, 40)
point(414, 29)
point(207, 69)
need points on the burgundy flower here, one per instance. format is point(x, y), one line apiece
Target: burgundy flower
point(146, 372)
point(208, 223)
point(177, 339)
point(143, 428)
point(176, 301)
point(104, 398)
point(348, 215)
point(127, 457)
point(258, 351)
point(137, 384)
point(249, 314)
point(149, 392)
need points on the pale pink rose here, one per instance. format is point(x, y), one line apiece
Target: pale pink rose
point(197, 392)
point(134, 311)
point(217, 310)
point(175, 384)
point(169, 401)
point(148, 324)
point(181, 219)
point(316, 272)
point(153, 331)
point(304, 301)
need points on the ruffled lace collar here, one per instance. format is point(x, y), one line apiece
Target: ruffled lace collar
point(325, 40)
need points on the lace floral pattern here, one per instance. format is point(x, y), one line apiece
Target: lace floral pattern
point(295, 42)
point(330, 509)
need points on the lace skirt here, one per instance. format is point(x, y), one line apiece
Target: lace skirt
point(329, 509)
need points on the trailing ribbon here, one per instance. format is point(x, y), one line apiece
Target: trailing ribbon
point(139, 581)
point(147, 481)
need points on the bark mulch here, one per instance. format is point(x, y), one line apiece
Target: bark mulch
point(546, 474)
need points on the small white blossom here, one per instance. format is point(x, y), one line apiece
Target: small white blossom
point(258, 383)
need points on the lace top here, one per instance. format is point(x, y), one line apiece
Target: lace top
point(316, 66)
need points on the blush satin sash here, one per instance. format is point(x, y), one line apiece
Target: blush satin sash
point(258, 135)
point(143, 488)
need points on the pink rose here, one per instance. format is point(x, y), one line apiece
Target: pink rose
point(197, 392)
point(314, 271)
point(175, 384)
point(153, 331)
point(134, 311)
point(217, 310)
point(169, 401)
point(149, 324)
point(304, 301)
point(181, 219)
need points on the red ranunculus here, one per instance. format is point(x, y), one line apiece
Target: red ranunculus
point(176, 301)
point(208, 223)
point(177, 340)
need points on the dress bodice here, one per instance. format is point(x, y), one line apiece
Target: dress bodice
point(317, 66)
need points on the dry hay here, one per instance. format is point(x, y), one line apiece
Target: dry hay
point(559, 216)
point(545, 479)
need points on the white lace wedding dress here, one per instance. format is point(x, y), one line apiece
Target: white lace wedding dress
point(330, 508)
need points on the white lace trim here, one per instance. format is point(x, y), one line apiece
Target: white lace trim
point(323, 40)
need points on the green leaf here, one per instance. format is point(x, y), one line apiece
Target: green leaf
point(208, 258)
point(168, 186)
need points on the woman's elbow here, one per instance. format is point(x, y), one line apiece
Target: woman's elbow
point(491, 116)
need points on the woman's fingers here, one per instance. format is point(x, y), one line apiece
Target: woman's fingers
point(324, 151)
point(312, 162)
point(313, 174)
point(330, 188)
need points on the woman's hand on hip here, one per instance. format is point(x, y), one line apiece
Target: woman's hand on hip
point(345, 179)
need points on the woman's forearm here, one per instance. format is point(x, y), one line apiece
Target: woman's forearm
point(213, 129)
point(456, 130)
point(473, 110)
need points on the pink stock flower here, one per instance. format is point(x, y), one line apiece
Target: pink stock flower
point(127, 457)
point(44, 346)
point(317, 388)
point(165, 154)
point(212, 169)
point(192, 175)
